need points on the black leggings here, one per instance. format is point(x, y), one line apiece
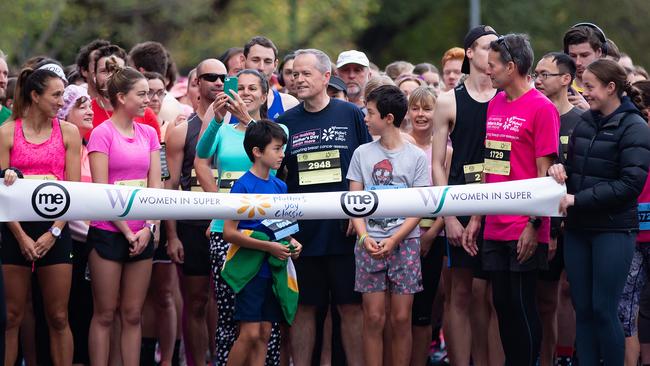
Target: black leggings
point(519, 323)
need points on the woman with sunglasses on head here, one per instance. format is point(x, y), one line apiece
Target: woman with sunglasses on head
point(605, 172)
point(126, 153)
point(41, 146)
point(227, 141)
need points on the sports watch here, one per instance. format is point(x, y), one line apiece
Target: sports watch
point(55, 231)
point(535, 221)
point(152, 228)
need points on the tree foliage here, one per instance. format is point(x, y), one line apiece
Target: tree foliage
point(415, 30)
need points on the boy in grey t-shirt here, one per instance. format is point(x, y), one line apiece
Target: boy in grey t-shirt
point(387, 253)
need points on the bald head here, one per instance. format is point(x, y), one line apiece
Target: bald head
point(210, 65)
point(210, 76)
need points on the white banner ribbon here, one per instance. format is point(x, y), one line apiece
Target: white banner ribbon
point(39, 200)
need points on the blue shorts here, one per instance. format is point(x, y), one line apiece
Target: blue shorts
point(256, 302)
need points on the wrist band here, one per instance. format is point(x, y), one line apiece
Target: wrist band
point(16, 170)
point(362, 238)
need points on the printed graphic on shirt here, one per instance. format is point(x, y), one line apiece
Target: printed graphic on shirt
point(382, 178)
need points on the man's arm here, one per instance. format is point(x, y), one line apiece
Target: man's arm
point(175, 141)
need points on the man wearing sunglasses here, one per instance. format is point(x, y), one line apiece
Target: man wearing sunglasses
point(553, 76)
point(187, 244)
point(521, 142)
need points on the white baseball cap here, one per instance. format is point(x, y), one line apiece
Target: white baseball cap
point(352, 57)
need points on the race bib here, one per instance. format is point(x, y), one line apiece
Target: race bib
point(280, 229)
point(319, 167)
point(473, 173)
point(564, 145)
point(227, 180)
point(142, 183)
point(497, 157)
point(164, 168)
point(644, 216)
point(194, 183)
point(40, 177)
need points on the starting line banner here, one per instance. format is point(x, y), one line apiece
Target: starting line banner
point(40, 200)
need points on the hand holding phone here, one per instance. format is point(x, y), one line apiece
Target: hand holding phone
point(230, 86)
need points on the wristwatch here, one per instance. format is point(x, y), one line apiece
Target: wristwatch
point(152, 228)
point(535, 221)
point(55, 231)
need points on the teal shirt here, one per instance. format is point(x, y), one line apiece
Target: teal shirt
point(226, 143)
point(5, 113)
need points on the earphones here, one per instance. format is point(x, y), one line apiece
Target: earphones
point(599, 33)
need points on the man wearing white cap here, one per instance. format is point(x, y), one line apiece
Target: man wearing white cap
point(353, 68)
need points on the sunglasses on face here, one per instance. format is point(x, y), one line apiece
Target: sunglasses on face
point(212, 77)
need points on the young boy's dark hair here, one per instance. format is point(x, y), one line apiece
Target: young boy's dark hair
point(260, 134)
point(389, 99)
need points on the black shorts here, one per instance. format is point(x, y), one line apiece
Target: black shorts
point(160, 254)
point(60, 253)
point(457, 257)
point(431, 268)
point(113, 246)
point(328, 277)
point(555, 265)
point(196, 247)
point(256, 302)
point(502, 256)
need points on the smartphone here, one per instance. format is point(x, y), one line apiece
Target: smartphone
point(572, 91)
point(230, 86)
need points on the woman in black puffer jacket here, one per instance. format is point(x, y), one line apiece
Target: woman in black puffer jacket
point(606, 169)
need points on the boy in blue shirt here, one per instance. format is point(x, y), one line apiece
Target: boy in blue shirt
point(256, 305)
point(387, 253)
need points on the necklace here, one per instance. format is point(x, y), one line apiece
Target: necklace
point(101, 105)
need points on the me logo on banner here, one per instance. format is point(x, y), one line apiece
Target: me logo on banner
point(50, 200)
point(359, 203)
point(123, 197)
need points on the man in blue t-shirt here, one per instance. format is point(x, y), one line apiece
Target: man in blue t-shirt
point(323, 134)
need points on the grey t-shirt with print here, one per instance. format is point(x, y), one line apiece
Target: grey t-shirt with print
point(378, 168)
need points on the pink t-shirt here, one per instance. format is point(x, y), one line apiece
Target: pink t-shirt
point(529, 126)
point(128, 159)
point(644, 214)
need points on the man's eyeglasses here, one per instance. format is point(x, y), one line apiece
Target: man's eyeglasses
point(212, 77)
point(157, 93)
point(502, 41)
point(544, 75)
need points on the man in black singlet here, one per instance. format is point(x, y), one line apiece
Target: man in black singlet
point(188, 244)
point(461, 115)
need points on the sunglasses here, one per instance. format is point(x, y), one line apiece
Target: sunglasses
point(212, 77)
point(502, 41)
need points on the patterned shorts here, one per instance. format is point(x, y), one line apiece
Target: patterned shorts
point(628, 306)
point(399, 272)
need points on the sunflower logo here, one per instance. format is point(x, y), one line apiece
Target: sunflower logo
point(258, 202)
point(328, 134)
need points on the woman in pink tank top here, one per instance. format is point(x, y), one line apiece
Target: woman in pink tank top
point(40, 146)
point(120, 261)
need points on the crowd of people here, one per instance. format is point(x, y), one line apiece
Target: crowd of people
point(472, 290)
